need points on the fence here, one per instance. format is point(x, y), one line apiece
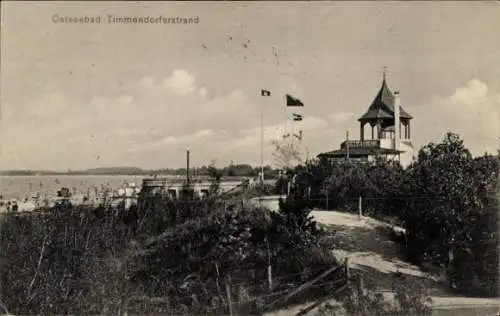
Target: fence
point(334, 279)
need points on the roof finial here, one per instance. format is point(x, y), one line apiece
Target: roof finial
point(384, 72)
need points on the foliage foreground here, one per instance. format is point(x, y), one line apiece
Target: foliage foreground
point(447, 201)
point(187, 256)
point(182, 257)
point(213, 256)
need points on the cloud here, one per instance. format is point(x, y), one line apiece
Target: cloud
point(152, 116)
point(50, 104)
point(251, 137)
point(203, 134)
point(472, 111)
point(341, 117)
point(159, 115)
point(125, 99)
point(181, 82)
point(147, 82)
point(203, 91)
point(473, 93)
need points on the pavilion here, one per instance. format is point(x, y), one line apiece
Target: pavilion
point(385, 142)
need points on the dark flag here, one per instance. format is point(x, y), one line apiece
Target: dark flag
point(291, 101)
point(265, 93)
point(297, 117)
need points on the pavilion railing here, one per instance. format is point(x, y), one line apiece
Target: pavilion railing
point(360, 143)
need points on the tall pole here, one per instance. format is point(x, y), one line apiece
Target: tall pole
point(360, 207)
point(285, 115)
point(347, 143)
point(262, 143)
point(187, 167)
point(307, 153)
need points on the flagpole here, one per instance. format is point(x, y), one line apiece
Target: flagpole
point(262, 142)
point(285, 115)
point(347, 144)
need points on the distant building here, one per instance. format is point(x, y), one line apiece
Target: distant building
point(173, 187)
point(385, 142)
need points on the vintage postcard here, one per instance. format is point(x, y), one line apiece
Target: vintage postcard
point(249, 158)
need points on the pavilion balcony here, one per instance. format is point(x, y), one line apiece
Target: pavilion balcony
point(372, 143)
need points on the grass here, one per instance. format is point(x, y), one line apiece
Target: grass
point(83, 260)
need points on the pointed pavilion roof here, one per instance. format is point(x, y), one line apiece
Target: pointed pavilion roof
point(382, 106)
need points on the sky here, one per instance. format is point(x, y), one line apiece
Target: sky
point(77, 96)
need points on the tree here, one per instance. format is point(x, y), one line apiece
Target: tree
point(285, 155)
point(347, 182)
point(448, 219)
point(474, 269)
point(292, 235)
point(215, 174)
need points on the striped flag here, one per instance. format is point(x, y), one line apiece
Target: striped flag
point(299, 136)
point(292, 101)
point(297, 117)
point(265, 93)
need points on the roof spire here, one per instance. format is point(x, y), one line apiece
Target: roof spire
point(384, 72)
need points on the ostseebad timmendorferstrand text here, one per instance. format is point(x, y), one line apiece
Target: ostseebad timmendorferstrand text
point(115, 19)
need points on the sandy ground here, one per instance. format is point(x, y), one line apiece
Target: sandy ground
point(361, 240)
point(369, 249)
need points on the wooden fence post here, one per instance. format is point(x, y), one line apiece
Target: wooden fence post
point(229, 300)
point(217, 282)
point(321, 301)
point(360, 285)
point(346, 269)
point(303, 287)
point(361, 294)
point(360, 207)
point(269, 267)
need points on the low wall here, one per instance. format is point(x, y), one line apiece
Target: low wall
point(269, 201)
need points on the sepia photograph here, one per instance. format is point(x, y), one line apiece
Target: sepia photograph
point(319, 158)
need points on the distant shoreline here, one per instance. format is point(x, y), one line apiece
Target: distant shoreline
point(33, 174)
point(121, 171)
point(204, 171)
point(159, 176)
point(78, 175)
point(144, 176)
point(15, 174)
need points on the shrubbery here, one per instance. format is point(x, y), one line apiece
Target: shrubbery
point(75, 260)
point(338, 185)
point(452, 215)
point(446, 200)
point(62, 262)
point(409, 299)
point(237, 244)
point(184, 251)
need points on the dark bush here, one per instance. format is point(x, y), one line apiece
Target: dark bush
point(93, 261)
point(50, 261)
point(446, 200)
point(451, 217)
